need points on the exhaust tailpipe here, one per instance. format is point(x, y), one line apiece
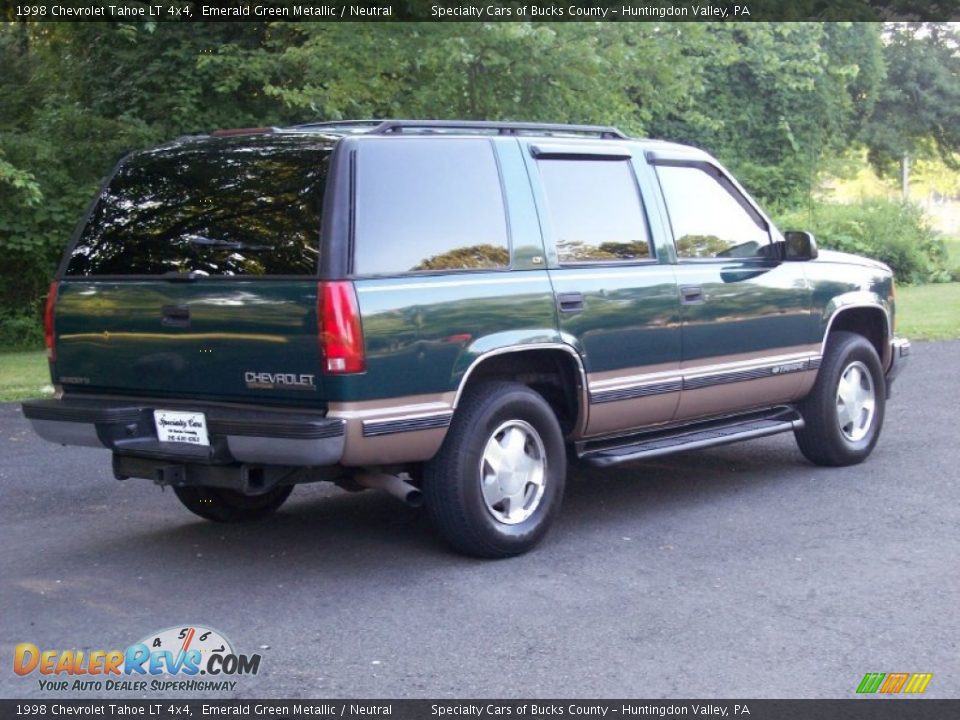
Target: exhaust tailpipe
point(393, 484)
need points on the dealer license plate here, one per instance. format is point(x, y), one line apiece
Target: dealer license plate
point(181, 427)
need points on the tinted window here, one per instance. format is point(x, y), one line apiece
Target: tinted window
point(428, 204)
point(707, 219)
point(241, 206)
point(595, 209)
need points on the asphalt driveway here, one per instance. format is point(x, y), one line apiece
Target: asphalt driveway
point(741, 571)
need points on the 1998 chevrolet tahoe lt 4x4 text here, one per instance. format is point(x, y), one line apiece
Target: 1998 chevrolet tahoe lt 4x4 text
point(449, 311)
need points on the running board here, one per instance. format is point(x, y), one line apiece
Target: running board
point(690, 437)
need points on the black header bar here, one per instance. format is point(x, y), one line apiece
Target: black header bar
point(171, 709)
point(480, 10)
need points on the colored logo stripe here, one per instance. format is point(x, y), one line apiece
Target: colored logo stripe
point(893, 683)
point(918, 683)
point(871, 682)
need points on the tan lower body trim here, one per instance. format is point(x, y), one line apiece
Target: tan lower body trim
point(396, 448)
point(644, 396)
point(388, 431)
point(736, 396)
point(385, 431)
point(619, 415)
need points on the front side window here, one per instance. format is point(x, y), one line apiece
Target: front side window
point(595, 210)
point(708, 220)
point(428, 205)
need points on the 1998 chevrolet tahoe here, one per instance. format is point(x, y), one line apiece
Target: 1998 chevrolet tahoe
point(450, 311)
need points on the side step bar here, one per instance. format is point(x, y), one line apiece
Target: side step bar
point(689, 437)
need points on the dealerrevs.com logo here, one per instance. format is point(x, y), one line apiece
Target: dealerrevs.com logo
point(186, 658)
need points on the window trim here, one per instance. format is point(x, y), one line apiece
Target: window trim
point(559, 151)
point(352, 274)
point(591, 155)
point(725, 181)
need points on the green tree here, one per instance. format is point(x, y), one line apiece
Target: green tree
point(564, 72)
point(917, 113)
point(775, 99)
point(73, 98)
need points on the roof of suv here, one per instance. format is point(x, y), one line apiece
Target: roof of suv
point(458, 127)
point(481, 127)
point(332, 131)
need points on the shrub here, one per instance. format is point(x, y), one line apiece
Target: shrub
point(897, 234)
point(21, 330)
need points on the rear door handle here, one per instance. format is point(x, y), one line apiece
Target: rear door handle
point(692, 295)
point(175, 316)
point(570, 302)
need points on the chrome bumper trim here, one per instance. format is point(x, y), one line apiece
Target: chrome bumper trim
point(899, 357)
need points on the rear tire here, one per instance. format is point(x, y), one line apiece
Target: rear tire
point(229, 506)
point(844, 411)
point(497, 482)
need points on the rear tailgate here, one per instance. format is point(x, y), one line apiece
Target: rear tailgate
point(196, 275)
point(236, 340)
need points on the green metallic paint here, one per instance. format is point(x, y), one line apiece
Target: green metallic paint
point(839, 286)
point(751, 307)
point(110, 337)
point(630, 316)
point(422, 333)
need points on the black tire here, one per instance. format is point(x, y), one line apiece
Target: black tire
point(822, 441)
point(229, 506)
point(453, 495)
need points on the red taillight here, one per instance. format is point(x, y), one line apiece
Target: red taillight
point(341, 335)
point(48, 329)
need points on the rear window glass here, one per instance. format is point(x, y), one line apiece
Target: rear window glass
point(242, 206)
point(429, 205)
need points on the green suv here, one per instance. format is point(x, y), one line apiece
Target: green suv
point(451, 312)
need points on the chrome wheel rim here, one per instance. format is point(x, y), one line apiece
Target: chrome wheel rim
point(513, 472)
point(856, 401)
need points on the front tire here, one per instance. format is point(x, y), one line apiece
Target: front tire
point(844, 411)
point(230, 506)
point(497, 482)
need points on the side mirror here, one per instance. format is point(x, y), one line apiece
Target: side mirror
point(799, 245)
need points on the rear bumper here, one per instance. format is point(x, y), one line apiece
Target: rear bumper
point(899, 357)
point(261, 437)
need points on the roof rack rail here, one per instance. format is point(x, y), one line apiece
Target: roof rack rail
point(333, 125)
point(230, 132)
point(389, 127)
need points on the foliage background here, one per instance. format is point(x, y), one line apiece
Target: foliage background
point(781, 104)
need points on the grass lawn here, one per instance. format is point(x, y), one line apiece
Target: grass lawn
point(24, 375)
point(929, 312)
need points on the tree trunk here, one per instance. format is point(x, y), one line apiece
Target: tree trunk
point(23, 38)
point(905, 177)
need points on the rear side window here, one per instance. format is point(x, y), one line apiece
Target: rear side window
point(241, 206)
point(428, 205)
point(595, 210)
